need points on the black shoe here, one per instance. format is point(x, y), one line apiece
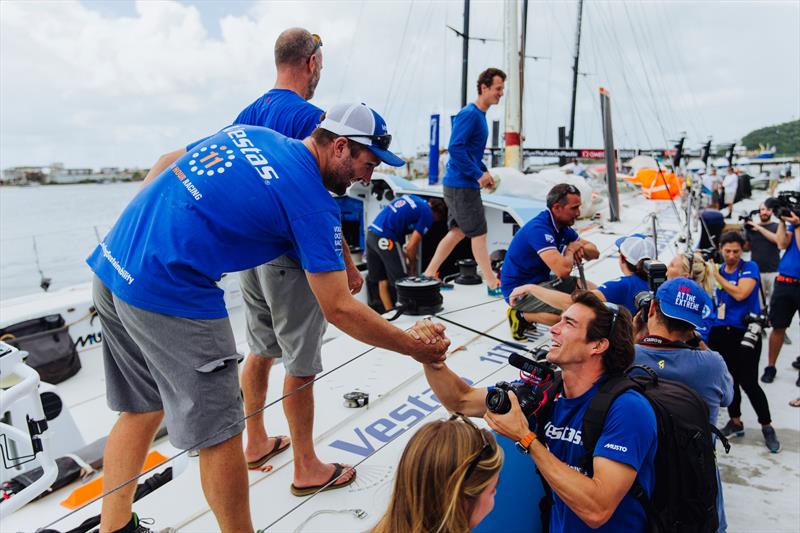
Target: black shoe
point(732, 429)
point(796, 364)
point(798, 380)
point(517, 324)
point(769, 374)
point(771, 439)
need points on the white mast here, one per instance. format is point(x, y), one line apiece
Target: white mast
point(512, 92)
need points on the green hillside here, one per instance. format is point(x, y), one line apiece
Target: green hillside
point(784, 137)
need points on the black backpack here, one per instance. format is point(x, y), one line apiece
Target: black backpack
point(685, 493)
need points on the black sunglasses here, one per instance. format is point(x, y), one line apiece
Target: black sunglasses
point(379, 141)
point(614, 308)
point(486, 450)
point(317, 44)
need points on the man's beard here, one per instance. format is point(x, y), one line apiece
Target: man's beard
point(338, 180)
point(312, 86)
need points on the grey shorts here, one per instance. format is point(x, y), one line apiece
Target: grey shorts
point(187, 367)
point(384, 259)
point(465, 211)
point(283, 316)
point(532, 304)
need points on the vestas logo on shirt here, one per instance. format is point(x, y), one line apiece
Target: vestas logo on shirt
point(566, 433)
point(252, 153)
point(211, 160)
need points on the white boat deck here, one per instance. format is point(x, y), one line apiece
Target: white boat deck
point(761, 489)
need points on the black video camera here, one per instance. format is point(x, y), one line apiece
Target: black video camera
point(786, 203)
point(656, 276)
point(533, 395)
point(747, 219)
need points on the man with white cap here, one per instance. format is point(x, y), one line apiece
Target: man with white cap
point(240, 198)
point(633, 251)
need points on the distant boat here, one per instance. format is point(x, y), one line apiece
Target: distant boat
point(764, 152)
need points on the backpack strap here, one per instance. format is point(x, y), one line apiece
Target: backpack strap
point(595, 416)
point(721, 437)
point(655, 524)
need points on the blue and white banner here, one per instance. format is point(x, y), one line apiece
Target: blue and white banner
point(433, 151)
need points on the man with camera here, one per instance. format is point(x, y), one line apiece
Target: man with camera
point(592, 340)
point(786, 294)
point(762, 242)
point(676, 310)
point(543, 253)
point(736, 335)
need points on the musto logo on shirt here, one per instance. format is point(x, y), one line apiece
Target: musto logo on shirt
point(252, 153)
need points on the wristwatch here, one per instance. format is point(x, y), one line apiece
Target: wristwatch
point(525, 442)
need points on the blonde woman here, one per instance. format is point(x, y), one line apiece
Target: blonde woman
point(446, 479)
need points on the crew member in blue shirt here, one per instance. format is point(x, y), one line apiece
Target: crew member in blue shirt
point(168, 348)
point(785, 301)
point(465, 177)
point(591, 340)
point(388, 259)
point(633, 251)
point(543, 253)
point(283, 318)
point(671, 326)
point(737, 298)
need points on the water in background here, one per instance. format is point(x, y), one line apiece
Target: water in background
point(64, 222)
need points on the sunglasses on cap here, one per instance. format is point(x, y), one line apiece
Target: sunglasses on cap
point(614, 308)
point(317, 44)
point(378, 141)
point(486, 450)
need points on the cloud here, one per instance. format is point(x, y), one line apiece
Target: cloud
point(99, 87)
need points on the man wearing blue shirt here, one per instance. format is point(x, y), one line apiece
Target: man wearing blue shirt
point(465, 177)
point(633, 251)
point(785, 300)
point(543, 252)
point(241, 198)
point(386, 263)
point(680, 307)
point(593, 339)
point(737, 297)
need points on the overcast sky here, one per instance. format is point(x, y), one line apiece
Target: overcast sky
point(93, 84)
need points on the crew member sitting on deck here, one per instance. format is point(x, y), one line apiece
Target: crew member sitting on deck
point(634, 250)
point(387, 258)
point(543, 252)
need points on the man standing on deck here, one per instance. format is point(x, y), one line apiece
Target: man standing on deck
point(465, 177)
point(730, 184)
point(284, 319)
point(169, 349)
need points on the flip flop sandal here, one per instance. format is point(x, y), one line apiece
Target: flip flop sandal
point(337, 471)
point(276, 449)
point(795, 403)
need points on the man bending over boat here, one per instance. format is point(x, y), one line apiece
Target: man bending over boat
point(543, 253)
point(169, 350)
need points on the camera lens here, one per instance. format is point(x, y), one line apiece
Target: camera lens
point(497, 401)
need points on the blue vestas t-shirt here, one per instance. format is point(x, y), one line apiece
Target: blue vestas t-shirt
point(735, 311)
point(467, 143)
point(242, 198)
point(704, 371)
point(522, 264)
point(790, 262)
point(629, 436)
point(404, 215)
point(622, 290)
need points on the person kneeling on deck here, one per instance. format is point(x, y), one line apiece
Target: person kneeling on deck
point(168, 347)
point(634, 250)
point(546, 245)
point(592, 340)
point(386, 262)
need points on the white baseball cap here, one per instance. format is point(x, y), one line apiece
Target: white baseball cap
point(364, 126)
point(636, 247)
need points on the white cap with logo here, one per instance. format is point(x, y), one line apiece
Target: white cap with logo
point(364, 126)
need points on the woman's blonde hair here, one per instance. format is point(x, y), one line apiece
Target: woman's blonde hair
point(702, 272)
point(436, 486)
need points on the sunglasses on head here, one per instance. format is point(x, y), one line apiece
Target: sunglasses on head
point(614, 308)
point(486, 450)
point(379, 141)
point(317, 44)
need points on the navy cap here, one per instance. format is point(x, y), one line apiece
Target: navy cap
point(683, 299)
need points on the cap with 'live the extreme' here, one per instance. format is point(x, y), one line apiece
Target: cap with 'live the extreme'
point(683, 299)
point(364, 126)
